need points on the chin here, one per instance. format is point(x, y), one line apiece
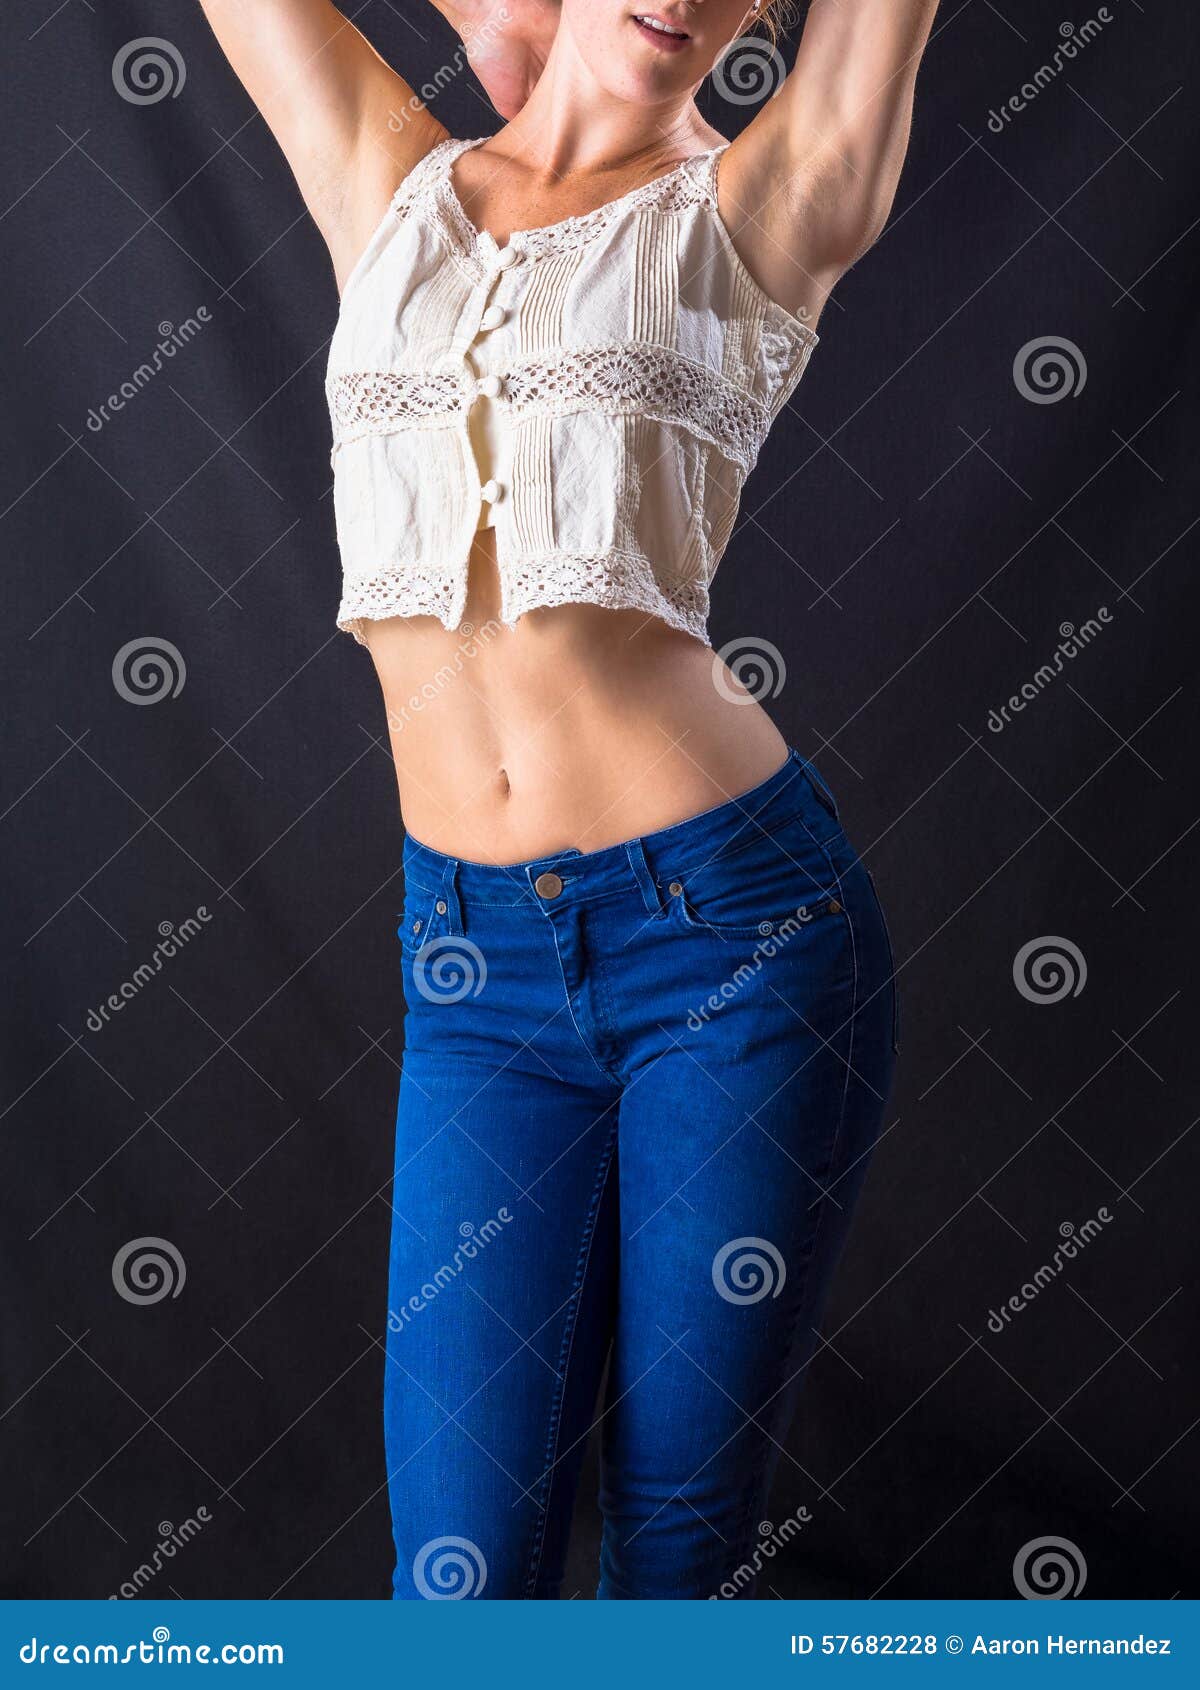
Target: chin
point(644, 56)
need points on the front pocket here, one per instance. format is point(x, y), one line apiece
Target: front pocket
point(780, 927)
point(781, 878)
point(736, 912)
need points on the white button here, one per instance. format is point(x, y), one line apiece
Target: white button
point(492, 317)
point(490, 491)
point(490, 386)
point(506, 256)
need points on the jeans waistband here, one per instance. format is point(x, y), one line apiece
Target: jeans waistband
point(794, 789)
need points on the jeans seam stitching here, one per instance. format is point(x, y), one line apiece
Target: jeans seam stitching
point(554, 1427)
point(592, 1057)
point(754, 1489)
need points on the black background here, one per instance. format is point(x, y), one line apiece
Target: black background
point(913, 540)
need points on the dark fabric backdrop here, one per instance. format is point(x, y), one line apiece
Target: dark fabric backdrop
point(916, 536)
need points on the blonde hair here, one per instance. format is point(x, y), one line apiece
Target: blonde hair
point(777, 17)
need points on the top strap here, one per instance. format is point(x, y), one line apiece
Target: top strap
point(427, 171)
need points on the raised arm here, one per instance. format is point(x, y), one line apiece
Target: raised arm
point(349, 126)
point(810, 182)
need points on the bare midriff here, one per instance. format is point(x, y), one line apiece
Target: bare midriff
point(580, 726)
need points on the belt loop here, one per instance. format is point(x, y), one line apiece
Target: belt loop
point(635, 851)
point(454, 921)
point(819, 786)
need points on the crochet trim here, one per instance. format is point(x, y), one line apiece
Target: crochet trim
point(615, 379)
point(687, 184)
point(615, 580)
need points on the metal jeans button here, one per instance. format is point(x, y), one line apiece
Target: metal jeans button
point(440, 906)
point(548, 885)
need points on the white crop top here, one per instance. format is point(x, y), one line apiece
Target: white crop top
point(597, 390)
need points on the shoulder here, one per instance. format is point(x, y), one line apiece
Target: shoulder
point(773, 206)
point(393, 153)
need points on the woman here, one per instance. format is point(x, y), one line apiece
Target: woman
point(650, 996)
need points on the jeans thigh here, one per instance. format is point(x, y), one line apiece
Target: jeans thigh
point(499, 1315)
point(744, 1139)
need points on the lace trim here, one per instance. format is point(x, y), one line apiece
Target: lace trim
point(423, 175)
point(654, 380)
point(377, 597)
point(689, 183)
point(386, 401)
point(614, 580)
point(614, 379)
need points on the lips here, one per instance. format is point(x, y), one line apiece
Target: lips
point(659, 33)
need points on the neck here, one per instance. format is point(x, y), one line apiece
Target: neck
point(571, 125)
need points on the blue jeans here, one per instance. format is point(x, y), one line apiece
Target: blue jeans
point(639, 1092)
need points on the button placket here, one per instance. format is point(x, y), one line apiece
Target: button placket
point(491, 386)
